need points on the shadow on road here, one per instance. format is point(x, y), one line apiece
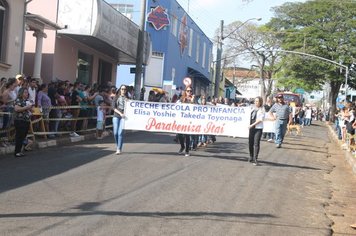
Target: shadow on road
point(35, 166)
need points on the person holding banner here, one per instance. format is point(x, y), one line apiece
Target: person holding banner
point(184, 139)
point(117, 120)
point(283, 115)
point(255, 130)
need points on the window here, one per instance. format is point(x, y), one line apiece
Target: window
point(84, 68)
point(174, 25)
point(104, 72)
point(197, 49)
point(210, 59)
point(204, 53)
point(190, 42)
point(3, 29)
point(157, 54)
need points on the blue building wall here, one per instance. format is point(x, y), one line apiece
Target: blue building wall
point(164, 41)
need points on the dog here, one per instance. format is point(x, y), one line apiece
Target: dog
point(294, 127)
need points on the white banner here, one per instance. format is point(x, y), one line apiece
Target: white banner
point(269, 124)
point(187, 118)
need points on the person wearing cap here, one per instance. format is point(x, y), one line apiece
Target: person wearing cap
point(283, 115)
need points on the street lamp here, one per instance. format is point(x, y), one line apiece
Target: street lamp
point(219, 51)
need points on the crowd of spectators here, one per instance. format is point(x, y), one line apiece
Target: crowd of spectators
point(66, 108)
point(345, 124)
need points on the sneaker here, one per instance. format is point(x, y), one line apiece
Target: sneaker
point(181, 151)
point(74, 134)
point(118, 152)
point(278, 146)
point(187, 154)
point(255, 163)
point(270, 140)
point(19, 154)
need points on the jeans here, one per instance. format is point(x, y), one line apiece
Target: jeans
point(307, 121)
point(281, 129)
point(184, 139)
point(118, 124)
point(254, 139)
point(202, 138)
point(301, 120)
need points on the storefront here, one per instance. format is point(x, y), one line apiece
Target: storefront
point(92, 40)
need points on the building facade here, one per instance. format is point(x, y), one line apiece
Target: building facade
point(246, 81)
point(11, 34)
point(180, 49)
point(89, 39)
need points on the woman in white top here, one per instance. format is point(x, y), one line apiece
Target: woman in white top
point(255, 130)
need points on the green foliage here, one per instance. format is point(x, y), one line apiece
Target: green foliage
point(325, 28)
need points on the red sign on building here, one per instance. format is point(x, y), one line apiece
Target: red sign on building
point(183, 34)
point(158, 17)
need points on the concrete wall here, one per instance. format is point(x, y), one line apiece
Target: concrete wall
point(11, 65)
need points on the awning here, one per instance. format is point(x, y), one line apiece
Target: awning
point(194, 74)
point(101, 27)
point(37, 22)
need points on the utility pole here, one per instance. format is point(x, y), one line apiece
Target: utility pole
point(219, 52)
point(218, 59)
point(22, 55)
point(139, 54)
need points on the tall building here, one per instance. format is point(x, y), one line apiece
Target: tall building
point(180, 49)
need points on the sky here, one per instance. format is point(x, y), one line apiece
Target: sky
point(207, 14)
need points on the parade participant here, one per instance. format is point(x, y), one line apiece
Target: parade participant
point(255, 130)
point(267, 106)
point(184, 139)
point(282, 113)
point(22, 119)
point(118, 123)
point(203, 138)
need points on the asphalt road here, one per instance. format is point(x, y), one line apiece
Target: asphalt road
point(151, 190)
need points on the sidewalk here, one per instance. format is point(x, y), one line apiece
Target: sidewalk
point(351, 159)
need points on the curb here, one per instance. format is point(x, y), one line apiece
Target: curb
point(349, 157)
point(61, 141)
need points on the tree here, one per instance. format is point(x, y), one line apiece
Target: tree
point(258, 45)
point(326, 28)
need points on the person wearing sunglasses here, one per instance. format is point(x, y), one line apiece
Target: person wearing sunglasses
point(117, 120)
point(282, 113)
point(184, 139)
